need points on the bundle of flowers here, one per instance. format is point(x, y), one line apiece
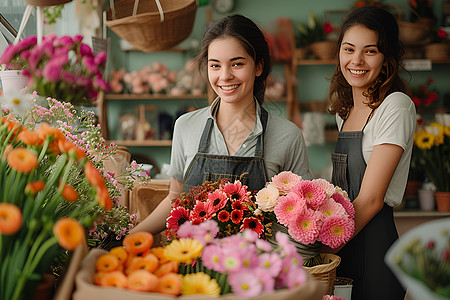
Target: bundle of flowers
point(64, 67)
point(41, 213)
point(313, 211)
point(424, 94)
point(230, 204)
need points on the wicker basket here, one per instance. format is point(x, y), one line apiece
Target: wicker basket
point(152, 25)
point(327, 271)
point(413, 33)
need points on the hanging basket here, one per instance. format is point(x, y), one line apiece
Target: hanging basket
point(152, 25)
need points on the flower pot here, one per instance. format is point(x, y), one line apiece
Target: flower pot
point(324, 49)
point(443, 201)
point(343, 288)
point(301, 53)
point(47, 2)
point(437, 51)
point(426, 199)
point(12, 81)
point(411, 188)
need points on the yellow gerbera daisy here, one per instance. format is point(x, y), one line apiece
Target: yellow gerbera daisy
point(425, 140)
point(447, 130)
point(200, 284)
point(183, 250)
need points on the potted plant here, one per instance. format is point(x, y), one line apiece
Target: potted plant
point(439, 46)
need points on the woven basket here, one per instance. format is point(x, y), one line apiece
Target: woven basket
point(327, 271)
point(152, 25)
point(413, 33)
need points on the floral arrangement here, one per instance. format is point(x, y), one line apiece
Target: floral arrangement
point(313, 211)
point(230, 204)
point(424, 94)
point(64, 67)
point(421, 9)
point(433, 145)
point(315, 30)
point(41, 213)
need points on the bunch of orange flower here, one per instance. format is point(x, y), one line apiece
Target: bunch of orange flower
point(40, 213)
point(137, 266)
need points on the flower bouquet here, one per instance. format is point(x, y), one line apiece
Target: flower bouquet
point(312, 212)
point(230, 204)
point(64, 67)
point(424, 94)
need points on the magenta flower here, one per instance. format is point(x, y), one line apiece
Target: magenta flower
point(288, 206)
point(52, 71)
point(345, 202)
point(337, 230)
point(100, 58)
point(305, 227)
point(65, 41)
point(85, 50)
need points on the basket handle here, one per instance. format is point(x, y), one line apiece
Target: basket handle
point(135, 7)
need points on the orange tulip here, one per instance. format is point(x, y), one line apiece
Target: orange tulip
point(107, 263)
point(115, 278)
point(170, 284)
point(142, 281)
point(93, 175)
point(69, 232)
point(120, 253)
point(103, 197)
point(10, 218)
point(22, 160)
point(69, 193)
point(138, 242)
point(30, 138)
point(34, 187)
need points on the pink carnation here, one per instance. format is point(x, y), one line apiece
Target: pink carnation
point(304, 227)
point(345, 202)
point(285, 181)
point(311, 192)
point(288, 206)
point(337, 230)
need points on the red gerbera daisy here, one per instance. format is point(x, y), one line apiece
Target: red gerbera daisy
point(218, 199)
point(177, 217)
point(223, 216)
point(202, 211)
point(253, 224)
point(236, 216)
point(239, 205)
point(237, 191)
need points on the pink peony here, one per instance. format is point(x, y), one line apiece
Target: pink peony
point(288, 206)
point(267, 198)
point(304, 227)
point(337, 230)
point(311, 192)
point(285, 181)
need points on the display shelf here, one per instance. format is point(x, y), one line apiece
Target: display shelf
point(146, 143)
point(152, 97)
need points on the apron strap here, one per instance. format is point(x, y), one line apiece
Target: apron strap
point(205, 136)
point(368, 118)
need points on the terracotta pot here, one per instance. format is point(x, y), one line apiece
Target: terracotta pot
point(324, 49)
point(443, 201)
point(47, 2)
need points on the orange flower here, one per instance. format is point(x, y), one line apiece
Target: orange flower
point(107, 263)
point(30, 138)
point(34, 187)
point(148, 263)
point(93, 175)
point(46, 130)
point(69, 193)
point(169, 267)
point(8, 149)
point(22, 160)
point(103, 198)
point(120, 253)
point(68, 147)
point(69, 232)
point(10, 218)
point(170, 284)
point(159, 253)
point(115, 278)
point(142, 281)
point(138, 242)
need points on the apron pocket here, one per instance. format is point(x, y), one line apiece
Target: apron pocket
point(339, 175)
point(214, 177)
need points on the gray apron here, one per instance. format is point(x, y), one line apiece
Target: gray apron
point(362, 259)
point(251, 171)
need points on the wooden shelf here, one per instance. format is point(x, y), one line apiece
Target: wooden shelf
point(132, 143)
point(306, 62)
point(152, 97)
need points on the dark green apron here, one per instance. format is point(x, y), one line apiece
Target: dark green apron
point(251, 171)
point(362, 259)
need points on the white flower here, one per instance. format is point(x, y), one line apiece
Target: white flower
point(18, 102)
point(267, 198)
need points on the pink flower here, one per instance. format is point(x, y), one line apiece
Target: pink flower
point(88, 63)
point(267, 281)
point(177, 217)
point(305, 227)
point(245, 284)
point(261, 244)
point(218, 199)
point(52, 71)
point(345, 202)
point(231, 262)
point(337, 230)
point(311, 192)
point(85, 50)
point(288, 248)
point(271, 263)
point(285, 181)
point(288, 206)
point(202, 211)
point(63, 41)
point(100, 58)
point(325, 185)
point(212, 258)
point(331, 208)
point(237, 191)
point(267, 198)
point(295, 277)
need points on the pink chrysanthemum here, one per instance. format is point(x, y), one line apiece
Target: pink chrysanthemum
point(325, 185)
point(212, 258)
point(331, 208)
point(267, 198)
point(202, 211)
point(288, 206)
point(345, 202)
point(311, 192)
point(253, 224)
point(285, 181)
point(236, 216)
point(337, 230)
point(237, 191)
point(218, 199)
point(304, 227)
point(177, 217)
point(245, 284)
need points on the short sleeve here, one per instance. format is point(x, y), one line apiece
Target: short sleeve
point(177, 158)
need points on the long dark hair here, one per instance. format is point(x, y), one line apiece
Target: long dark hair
point(251, 38)
point(384, 24)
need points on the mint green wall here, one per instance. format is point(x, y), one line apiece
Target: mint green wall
point(312, 80)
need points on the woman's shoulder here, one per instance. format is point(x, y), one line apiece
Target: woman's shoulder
point(278, 123)
point(193, 116)
point(397, 100)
